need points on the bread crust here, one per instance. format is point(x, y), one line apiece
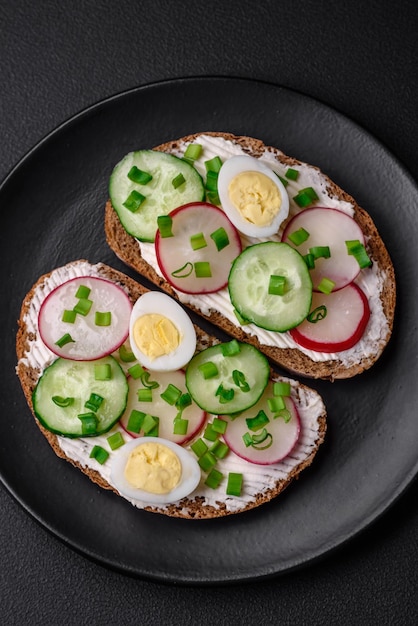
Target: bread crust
point(188, 508)
point(293, 360)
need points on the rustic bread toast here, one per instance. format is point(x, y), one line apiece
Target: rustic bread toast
point(294, 359)
point(262, 483)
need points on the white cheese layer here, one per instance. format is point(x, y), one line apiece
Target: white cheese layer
point(257, 479)
point(370, 280)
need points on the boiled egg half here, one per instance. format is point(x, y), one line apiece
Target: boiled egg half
point(152, 470)
point(252, 196)
point(161, 334)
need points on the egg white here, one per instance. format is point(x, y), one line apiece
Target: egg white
point(245, 163)
point(156, 302)
point(190, 473)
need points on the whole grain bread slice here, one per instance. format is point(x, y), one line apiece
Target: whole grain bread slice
point(296, 361)
point(33, 357)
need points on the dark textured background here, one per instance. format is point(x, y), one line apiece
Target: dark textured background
point(359, 57)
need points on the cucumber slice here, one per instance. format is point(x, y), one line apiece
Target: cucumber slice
point(250, 278)
point(161, 196)
point(72, 383)
point(211, 393)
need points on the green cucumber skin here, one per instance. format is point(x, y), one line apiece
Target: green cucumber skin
point(250, 361)
point(281, 313)
point(53, 418)
point(163, 197)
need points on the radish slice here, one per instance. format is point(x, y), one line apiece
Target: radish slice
point(160, 408)
point(198, 257)
point(88, 336)
point(282, 435)
point(346, 313)
point(332, 228)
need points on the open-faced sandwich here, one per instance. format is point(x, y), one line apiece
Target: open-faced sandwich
point(125, 387)
point(264, 246)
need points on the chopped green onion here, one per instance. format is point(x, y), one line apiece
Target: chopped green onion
point(199, 447)
point(100, 454)
point(135, 421)
point(247, 439)
point(150, 425)
point(83, 292)
point(281, 388)
point(165, 224)
point(258, 421)
point(145, 380)
point(144, 395)
point(213, 165)
point(212, 182)
point(305, 197)
point(136, 371)
point(309, 260)
point(69, 316)
point(125, 355)
point(317, 314)
point(184, 271)
point(208, 370)
point(115, 441)
point(225, 395)
point(171, 394)
point(357, 249)
point(240, 319)
point(64, 340)
point(261, 438)
point(207, 461)
point(94, 402)
point(220, 237)
point(239, 379)
point(62, 402)
point(178, 181)
point(277, 285)
point(299, 236)
point(134, 201)
point(214, 478)
point(193, 151)
point(83, 306)
point(234, 484)
point(319, 252)
point(198, 241)
point(88, 423)
point(102, 371)
point(282, 180)
point(103, 318)
point(180, 426)
point(326, 285)
point(276, 404)
point(292, 174)
point(213, 197)
point(202, 269)
point(219, 448)
point(184, 401)
point(230, 348)
point(139, 176)
point(219, 425)
point(210, 434)
point(284, 414)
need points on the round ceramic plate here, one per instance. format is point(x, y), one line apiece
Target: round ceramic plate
point(53, 204)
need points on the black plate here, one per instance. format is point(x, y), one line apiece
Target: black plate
point(52, 212)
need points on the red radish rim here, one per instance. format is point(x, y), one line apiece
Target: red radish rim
point(58, 352)
point(328, 347)
point(158, 238)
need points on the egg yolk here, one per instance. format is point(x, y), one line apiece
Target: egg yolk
point(155, 335)
point(154, 468)
point(255, 196)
